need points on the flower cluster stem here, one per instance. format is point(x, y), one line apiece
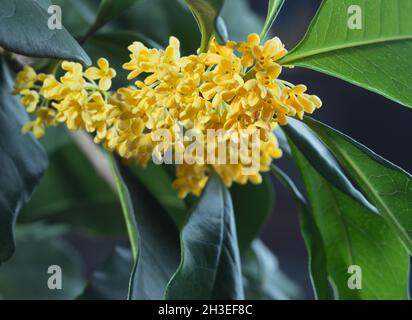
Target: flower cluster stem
point(126, 208)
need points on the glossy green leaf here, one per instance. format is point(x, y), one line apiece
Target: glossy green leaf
point(158, 240)
point(210, 266)
point(283, 141)
point(322, 159)
point(387, 186)
point(112, 281)
point(126, 203)
point(274, 7)
point(25, 275)
point(22, 161)
point(159, 183)
point(375, 57)
point(353, 236)
point(206, 13)
point(252, 215)
point(262, 277)
point(72, 193)
point(35, 38)
point(108, 10)
point(312, 237)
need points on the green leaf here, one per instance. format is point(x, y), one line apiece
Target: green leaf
point(312, 237)
point(251, 215)
point(159, 183)
point(322, 160)
point(158, 240)
point(210, 262)
point(112, 281)
point(44, 3)
point(387, 186)
point(35, 38)
point(283, 141)
point(273, 10)
point(263, 279)
point(25, 275)
point(126, 203)
point(108, 10)
point(376, 57)
point(72, 193)
point(22, 161)
point(206, 13)
point(353, 236)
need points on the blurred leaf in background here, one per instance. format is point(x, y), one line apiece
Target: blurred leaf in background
point(25, 275)
point(111, 282)
point(72, 193)
point(262, 277)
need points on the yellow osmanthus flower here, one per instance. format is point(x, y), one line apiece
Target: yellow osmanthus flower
point(233, 87)
point(246, 49)
point(25, 79)
point(30, 99)
point(73, 78)
point(104, 74)
point(45, 117)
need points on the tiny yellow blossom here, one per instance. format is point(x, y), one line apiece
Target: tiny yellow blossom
point(142, 60)
point(73, 78)
point(30, 99)
point(104, 74)
point(45, 117)
point(272, 51)
point(246, 49)
point(190, 179)
point(25, 79)
point(52, 89)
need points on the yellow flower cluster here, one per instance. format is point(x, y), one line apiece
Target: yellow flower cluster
point(75, 100)
point(233, 87)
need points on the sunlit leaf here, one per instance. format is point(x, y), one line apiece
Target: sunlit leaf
point(206, 13)
point(387, 186)
point(353, 236)
point(375, 57)
point(274, 7)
